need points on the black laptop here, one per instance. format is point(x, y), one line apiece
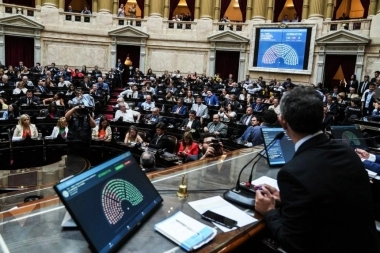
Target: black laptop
point(352, 135)
point(109, 202)
point(279, 152)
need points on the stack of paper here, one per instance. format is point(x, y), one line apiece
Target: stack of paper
point(187, 232)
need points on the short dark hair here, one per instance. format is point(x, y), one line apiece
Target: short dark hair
point(302, 109)
point(161, 125)
point(147, 160)
point(193, 112)
point(356, 101)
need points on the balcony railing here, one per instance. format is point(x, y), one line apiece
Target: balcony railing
point(361, 26)
point(77, 17)
point(230, 26)
point(180, 25)
point(11, 9)
point(137, 22)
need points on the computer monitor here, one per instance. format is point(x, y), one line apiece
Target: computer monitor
point(280, 151)
point(352, 135)
point(109, 202)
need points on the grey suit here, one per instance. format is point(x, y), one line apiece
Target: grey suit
point(220, 127)
point(202, 110)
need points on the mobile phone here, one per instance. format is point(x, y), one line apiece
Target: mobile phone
point(219, 219)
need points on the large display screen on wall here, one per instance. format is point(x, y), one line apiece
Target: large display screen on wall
point(282, 48)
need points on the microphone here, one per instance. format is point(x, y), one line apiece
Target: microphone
point(247, 198)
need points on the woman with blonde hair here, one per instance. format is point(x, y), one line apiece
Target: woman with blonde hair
point(61, 129)
point(20, 89)
point(24, 129)
point(132, 136)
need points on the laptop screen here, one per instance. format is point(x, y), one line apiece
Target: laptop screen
point(352, 135)
point(280, 151)
point(109, 201)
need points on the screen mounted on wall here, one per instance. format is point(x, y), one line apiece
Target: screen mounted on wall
point(282, 49)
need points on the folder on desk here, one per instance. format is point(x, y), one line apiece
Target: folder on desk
point(185, 231)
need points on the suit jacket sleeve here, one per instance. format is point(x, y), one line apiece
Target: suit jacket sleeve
point(291, 224)
point(223, 131)
point(372, 166)
point(193, 149)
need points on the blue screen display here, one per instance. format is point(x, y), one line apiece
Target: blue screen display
point(282, 48)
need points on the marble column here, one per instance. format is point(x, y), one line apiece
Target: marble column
point(53, 3)
point(115, 7)
point(378, 7)
point(316, 9)
point(305, 9)
point(38, 3)
point(61, 5)
point(270, 10)
point(156, 8)
point(104, 6)
point(249, 10)
point(146, 8)
point(372, 8)
point(329, 9)
point(37, 47)
point(206, 9)
point(166, 9)
point(197, 9)
point(94, 6)
point(259, 10)
point(217, 10)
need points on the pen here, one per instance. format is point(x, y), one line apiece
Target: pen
point(189, 228)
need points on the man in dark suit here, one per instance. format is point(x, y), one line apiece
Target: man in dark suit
point(153, 118)
point(246, 118)
point(29, 99)
point(326, 203)
point(180, 108)
point(363, 86)
point(192, 122)
point(373, 79)
point(160, 139)
point(258, 106)
point(120, 70)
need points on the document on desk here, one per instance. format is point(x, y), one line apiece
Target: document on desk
point(265, 180)
point(220, 206)
point(187, 232)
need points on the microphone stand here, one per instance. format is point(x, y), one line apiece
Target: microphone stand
point(247, 198)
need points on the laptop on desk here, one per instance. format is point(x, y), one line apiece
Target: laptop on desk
point(109, 202)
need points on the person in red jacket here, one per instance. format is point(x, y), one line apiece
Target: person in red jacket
point(187, 146)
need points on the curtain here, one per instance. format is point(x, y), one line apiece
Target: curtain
point(348, 66)
point(223, 7)
point(141, 3)
point(243, 8)
point(298, 4)
point(332, 64)
point(365, 4)
point(278, 6)
point(19, 49)
point(29, 3)
point(89, 5)
point(67, 3)
point(191, 6)
point(173, 6)
point(227, 62)
point(122, 51)
point(338, 2)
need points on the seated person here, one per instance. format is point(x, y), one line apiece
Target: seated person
point(20, 89)
point(102, 132)
point(258, 106)
point(211, 99)
point(153, 118)
point(332, 106)
point(208, 148)
point(253, 133)
point(85, 84)
point(376, 112)
point(128, 115)
point(354, 111)
point(121, 101)
point(63, 83)
point(56, 99)
point(84, 99)
point(29, 99)
point(215, 127)
point(12, 112)
point(160, 139)
point(371, 162)
point(61, 129)
point(51, 112)
point(148, 105)
point(227, 114)
point(352, 94)
point(180, 108)
point(95, 91)
point(276, 106)
point(41, 89)
point(132, 136)
point(24, 129)
point(187, 147)
point(130, 93)
point(71, 91)
point(148, 161)
point(200, 109)
point(170, 97)
point(246, 118)
point(28, 84)
point(232, 100)
point(191, 123)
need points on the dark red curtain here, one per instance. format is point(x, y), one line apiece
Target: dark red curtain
point(278, 6)
point(243, 8)
point(89, 5)
point(223, 7)
point(19, 49)
point(348, 66)
point(191, 6)
point(365, 4)
point(67, 3)
point(173, 6)
point(122, 51)
point(29, 3)
point(123, 2)
point(338, 2)
point(141, 3)
point(298, 6)
point(227, 62)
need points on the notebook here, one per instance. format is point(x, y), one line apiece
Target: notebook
point(109, 202)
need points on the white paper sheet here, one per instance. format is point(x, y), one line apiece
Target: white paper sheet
point(265, 180)
point(220, 206)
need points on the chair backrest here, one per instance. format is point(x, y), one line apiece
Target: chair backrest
point(142, 135)
point(174, 142)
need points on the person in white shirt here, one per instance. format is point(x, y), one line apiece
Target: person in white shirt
point(148, 105)
point(126, 115)
point(252, 88)
point(20, 88)
point(63, 83)
point(131, 93)
point(275, 107)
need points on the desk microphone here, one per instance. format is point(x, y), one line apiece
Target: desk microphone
point(247, 198)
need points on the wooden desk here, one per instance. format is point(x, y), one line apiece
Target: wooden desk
point(40, 229)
